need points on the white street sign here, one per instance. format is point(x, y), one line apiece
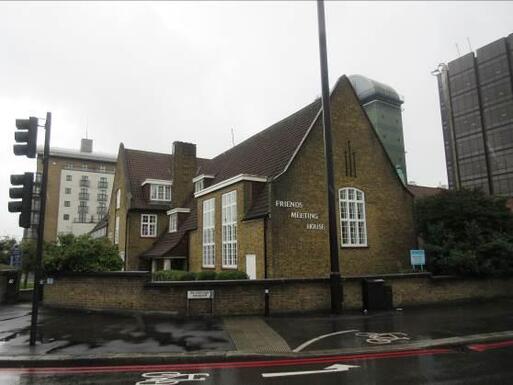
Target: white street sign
point(329, 369)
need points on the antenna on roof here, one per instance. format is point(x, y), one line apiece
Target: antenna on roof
point(458, 49)
point(469, 45)
point(233, 138)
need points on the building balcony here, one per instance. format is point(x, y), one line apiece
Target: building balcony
point(102, 197)
point(85, 183)
point(103, 184)
point(83, 196)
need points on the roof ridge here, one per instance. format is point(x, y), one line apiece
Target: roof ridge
point(259, 133)
point(148, 152)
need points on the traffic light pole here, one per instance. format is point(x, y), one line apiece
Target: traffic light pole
point(336, 288)
point(36, 295)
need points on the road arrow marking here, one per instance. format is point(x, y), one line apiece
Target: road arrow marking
point(305, 344)
point(329, 369)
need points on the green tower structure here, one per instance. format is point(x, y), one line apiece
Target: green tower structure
point(383, 106)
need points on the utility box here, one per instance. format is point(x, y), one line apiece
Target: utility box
point(376, 295)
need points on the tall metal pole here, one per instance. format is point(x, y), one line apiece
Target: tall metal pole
point(335, 281)
point(41, 230)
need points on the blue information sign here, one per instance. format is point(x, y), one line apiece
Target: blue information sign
point(417, 258)
point(16, 257)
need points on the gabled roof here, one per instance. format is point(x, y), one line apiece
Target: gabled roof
point(143, 165)
point(266, 153)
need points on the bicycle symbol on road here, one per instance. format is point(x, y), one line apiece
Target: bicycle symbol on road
point(171, 378)
point(382, 338)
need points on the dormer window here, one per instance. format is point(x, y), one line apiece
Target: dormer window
point(199, 182)
point(173, 223)
point(157, 190)
point(199, 185)
point(160, 192)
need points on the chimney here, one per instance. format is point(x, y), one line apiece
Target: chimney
point(184, 169)
point(86, 145)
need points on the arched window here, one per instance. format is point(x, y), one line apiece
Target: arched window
point(352, 217)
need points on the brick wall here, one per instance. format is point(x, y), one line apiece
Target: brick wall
point(250, 234)
point(133, 291)
point(388, 205)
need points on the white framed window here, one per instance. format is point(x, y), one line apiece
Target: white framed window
point(173, 223)
point(160, 192)
point(148, 225)
point(229, 230)
point(116, 230)
point(199, 185)
point(353, 226)
point(118, 198)
point(209, 227)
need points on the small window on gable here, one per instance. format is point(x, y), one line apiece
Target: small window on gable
point(160, 192)
point(173, 223)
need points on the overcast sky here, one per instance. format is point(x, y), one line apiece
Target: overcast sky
point(147, 74)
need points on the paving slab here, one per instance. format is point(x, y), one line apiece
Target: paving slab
point(253, 334)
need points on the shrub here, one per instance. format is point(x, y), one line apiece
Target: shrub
point(174, 275)
point(467, 233)
point(206, 275)
point(232, 274)
point(81, 254)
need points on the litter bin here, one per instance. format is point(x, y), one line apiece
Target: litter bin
point(376, 295)
point(13, 286)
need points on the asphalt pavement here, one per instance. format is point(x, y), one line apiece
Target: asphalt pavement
point(130, 337)
point(484, 364)
point(396, 327)
point(95, 333)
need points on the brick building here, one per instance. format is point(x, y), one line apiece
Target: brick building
point(260, 207)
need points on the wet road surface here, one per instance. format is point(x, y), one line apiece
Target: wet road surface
point(409, 325)
point(75, 332)
point(486, 365)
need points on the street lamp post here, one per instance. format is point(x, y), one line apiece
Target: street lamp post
point(335, 281)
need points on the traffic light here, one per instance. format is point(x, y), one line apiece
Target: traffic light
point(23, 206)
point(26, 135)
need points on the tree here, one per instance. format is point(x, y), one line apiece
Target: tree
point(6, 245)
point(81, 254)
point(466, 232)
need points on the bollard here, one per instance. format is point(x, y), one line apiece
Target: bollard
point(266, 302)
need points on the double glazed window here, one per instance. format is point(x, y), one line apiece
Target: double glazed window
point(148, 225)
point(209, 246)
point(229, 230)
point(160, 192)
point(352, 217)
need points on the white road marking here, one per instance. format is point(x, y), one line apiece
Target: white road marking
point(170, 378)
point(329, 369)
point(383, 338)
point(304, 345)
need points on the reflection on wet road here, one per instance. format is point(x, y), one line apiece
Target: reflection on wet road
point(438, 366)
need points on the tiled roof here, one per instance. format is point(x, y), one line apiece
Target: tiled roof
point(266, 153)
point(143, 165)
point(424, 191)
point(260, 206)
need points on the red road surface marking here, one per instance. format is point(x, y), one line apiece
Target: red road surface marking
point(492, 345)
point(229, 365)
